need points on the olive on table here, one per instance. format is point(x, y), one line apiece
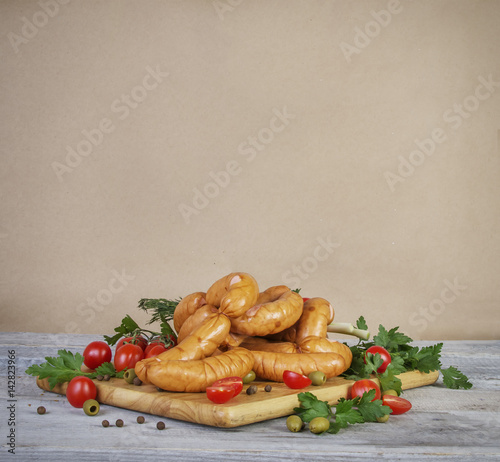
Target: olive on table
point(317, 378)
point(319, 425)
point(383, 419)
point(91, 407)
point(294, 423)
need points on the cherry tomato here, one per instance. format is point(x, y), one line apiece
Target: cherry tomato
point(220, 394)
point(141, 341)
point(96, 353)
point(296, 380)
point(364, 385)
point(396, 403)
point(168, 342)
point(127, 356)
point(235, 382)
point(154, 350)
point(79, 390)
point(385, 355)
point(305, 299)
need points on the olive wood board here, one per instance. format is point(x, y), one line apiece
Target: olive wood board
point(241, 410)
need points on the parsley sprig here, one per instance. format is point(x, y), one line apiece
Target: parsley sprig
point(162, 311)
point(404, 357)
point(66, 366)
point(347, 411)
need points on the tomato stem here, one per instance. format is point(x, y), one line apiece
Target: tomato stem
point(349, 329)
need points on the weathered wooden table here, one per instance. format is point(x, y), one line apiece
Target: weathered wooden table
point(455, 425)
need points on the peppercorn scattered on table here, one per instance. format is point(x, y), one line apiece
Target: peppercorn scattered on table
point(443, 424)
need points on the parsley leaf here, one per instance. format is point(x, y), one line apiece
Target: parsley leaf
point(311, 407)
point(361, 323)
point(454, 379)
point(67, 366)
point(344, 415)
point(391, 340)
point(347, 411)
point(127, 327)
point(371, 410)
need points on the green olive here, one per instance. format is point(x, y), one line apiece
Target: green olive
point(250, 377)
point(294, 423)
point(390, 392)
point(383, 419)
point(91, 407)
point(319, 425)
point(317, 377)
point(129, 375)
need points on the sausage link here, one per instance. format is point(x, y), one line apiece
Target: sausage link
point(324, 345)
point(316, 316)
point(271, 317)
point(262, 344)
point(233, 294)
point(186, 307)
point(271, 366)
point(197, 375)
point(202, 342)
point(195, 320)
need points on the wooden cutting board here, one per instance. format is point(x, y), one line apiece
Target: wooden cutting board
point(242, 410)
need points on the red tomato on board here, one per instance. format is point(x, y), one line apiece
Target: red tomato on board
point(96, 353)
point(220, 394)
point(127, 356)
point(296, 380)
point(384, 354)
point(364, 385)
point(396, 403)
point(79, 390)
point(235, 382)
point(141, 341)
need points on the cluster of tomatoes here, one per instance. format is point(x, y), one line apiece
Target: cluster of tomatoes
point(128, 351)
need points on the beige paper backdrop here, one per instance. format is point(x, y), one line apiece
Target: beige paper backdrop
point(349, 148)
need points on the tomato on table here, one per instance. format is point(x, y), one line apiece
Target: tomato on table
point(361, 386)
point(295, 380)
point(397, 404)
point(235, 382)
point(127, 356)
point(384, 354)
point(96, 353)
point(79, 390)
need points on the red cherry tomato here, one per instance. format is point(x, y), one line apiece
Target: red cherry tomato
point(96, 353)
point(141, 341)
point(296, 380)
point(168, 342)
point(305, 299)
point(396, 403)
point(79, 390)
point(364, 385)
point(385, 355)
point(220, 394)
point(127, 356)
point(235, 382)
point(155, 350)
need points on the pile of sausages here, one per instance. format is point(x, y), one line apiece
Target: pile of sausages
point(233, 329)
